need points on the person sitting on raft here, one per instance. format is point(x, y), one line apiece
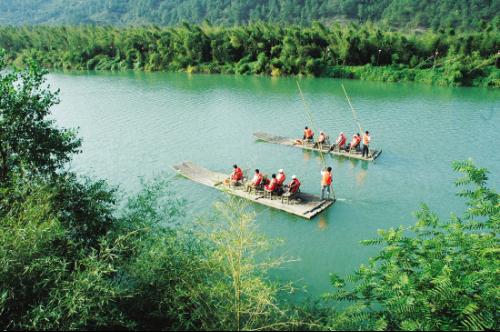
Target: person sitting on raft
point(281, 177)
point(308, 134)
point(322, 138)
point(273, 184)
point(237, 175)
point(256, 181)
point(340, 142)
point(356, 139)
point(280, 180)
point(294, 185)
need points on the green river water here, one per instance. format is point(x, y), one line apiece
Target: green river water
point(140, 124)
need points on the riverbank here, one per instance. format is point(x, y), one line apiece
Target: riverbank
point(489, 76)
point(356, 51)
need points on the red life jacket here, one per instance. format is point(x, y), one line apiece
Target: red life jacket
point(257, 179)
point(355, 141)
point(294, 186)
point(272, 185)
point(280, 178)
point(343, 139)
point(237, 174)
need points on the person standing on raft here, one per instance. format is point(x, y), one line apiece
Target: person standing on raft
point(326, 182)
point(366, 144)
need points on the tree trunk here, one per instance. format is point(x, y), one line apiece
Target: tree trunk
point(5, 167)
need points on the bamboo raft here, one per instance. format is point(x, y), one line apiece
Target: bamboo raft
point(325, 148)
point(302, 205)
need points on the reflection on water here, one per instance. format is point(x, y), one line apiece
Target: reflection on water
point(307, 154)
point(360, 177)
point(322, 222)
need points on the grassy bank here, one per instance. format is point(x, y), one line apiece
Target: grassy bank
point(489, 76)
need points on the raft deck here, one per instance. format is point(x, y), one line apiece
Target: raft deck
point(325, 148)
point(303, 205)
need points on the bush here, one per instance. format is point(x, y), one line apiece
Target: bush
point(434, 275)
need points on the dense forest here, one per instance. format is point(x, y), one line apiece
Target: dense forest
point(351, 51)
point(408, 14)
point(70, 259)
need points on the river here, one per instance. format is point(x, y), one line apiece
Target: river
point(140, 124)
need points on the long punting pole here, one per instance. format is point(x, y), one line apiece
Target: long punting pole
point(352, 109)
point(309, 115)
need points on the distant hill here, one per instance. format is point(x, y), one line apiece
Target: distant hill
point(412, 14)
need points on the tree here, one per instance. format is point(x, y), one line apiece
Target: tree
point(434, 275)
point(242, 255)
point(30, 141)
point(49, 281)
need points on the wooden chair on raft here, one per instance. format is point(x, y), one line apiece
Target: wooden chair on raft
point(270, 193)
point(288, 196)
point(256, 189)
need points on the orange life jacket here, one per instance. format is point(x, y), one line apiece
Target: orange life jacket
point(308, 133)
point(327, 179)
point(366, 139)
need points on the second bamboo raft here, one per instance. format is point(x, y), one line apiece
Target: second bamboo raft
point(325, 148)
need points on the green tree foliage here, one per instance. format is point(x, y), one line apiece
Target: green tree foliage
point(203, 279)
point(29, 140)
point(69, 260)
point(147, 273)
point(47, 280)
point(435, 275)
point(463, 14)
point(353, 51)
point(241, 254)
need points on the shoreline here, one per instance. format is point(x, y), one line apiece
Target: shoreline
point(384, 74)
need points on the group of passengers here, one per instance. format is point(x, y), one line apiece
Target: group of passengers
point(275, 184)
point(340, 143)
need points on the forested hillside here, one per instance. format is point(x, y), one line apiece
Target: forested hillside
point(412, 14)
